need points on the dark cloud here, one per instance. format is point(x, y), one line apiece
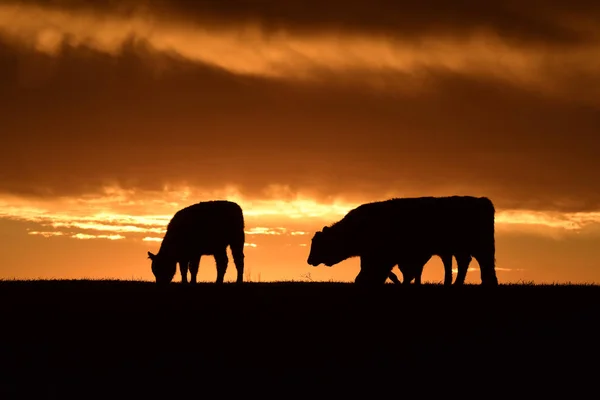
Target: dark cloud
point(73, 123)
point(549, 22)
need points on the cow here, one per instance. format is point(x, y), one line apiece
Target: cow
point(411, 266)
point(205, 228)
point(409, 231)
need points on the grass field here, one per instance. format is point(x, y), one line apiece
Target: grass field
point(130, 339)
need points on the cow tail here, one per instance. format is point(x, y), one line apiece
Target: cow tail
point(487, 248)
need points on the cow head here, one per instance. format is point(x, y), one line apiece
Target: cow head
point(326, 248)
point(163, 269)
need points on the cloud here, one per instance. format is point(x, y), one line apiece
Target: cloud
point(108, 220)
point(259, 230)
point(299, 233)
point(566, 221)
point(246, 47)
point(83, 236)
point(498, 100)
point(46, 234)
point(124, 214)
point(498, 269)
point(536, 20)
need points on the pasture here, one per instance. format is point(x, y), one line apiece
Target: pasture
point(132, 339)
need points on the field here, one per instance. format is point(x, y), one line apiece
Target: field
point(130, 339)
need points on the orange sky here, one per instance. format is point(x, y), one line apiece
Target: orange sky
point(116, 116)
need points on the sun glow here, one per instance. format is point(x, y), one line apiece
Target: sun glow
point(277, 228)
point(113, 215)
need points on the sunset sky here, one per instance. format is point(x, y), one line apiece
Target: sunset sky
point(116, 114)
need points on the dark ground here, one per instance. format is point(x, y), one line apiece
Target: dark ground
point(129, 339)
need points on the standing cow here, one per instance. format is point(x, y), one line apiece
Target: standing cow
point(409, 231)
point(205, 228)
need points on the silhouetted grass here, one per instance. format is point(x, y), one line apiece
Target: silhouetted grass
point(125, 337)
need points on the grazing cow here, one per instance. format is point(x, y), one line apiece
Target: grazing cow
point(205, 228)
point(409, 231)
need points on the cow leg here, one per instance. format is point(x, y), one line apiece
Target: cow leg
point(418, 277)
point(183, 268)
point(418, 271)
point(412, 267)
point(363, 278)
point(420, 265)
point(411, 270)
point(382, 273)
point(462, 261)
point(447, 261)
point(238, 259)
point(488, 271)
point(394, 278)
point(194, 266)
point(221, 260)
point(368, 277)
point(373, 271)
point(407, 273)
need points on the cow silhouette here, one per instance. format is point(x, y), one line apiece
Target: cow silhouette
point(409, 231)
point(205, 228)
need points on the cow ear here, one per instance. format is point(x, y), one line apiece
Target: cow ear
point(151, 256)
